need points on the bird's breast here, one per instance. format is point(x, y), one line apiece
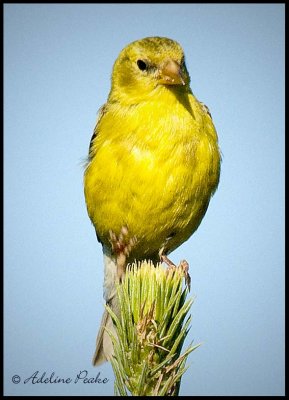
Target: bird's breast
point(155, 175)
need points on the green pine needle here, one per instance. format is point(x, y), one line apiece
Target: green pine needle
point(151, 331)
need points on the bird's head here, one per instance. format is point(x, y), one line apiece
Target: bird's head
point(145, 66)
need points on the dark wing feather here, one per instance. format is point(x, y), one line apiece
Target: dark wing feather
point(100, 114)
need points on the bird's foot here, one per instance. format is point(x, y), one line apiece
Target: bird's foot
point(164, 258)
point(183, 265)
point(121, 246)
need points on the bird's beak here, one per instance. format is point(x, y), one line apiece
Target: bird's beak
point(170, 73)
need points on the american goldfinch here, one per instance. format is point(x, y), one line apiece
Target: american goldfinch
point(153, 164)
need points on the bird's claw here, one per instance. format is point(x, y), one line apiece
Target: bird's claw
point(184, 266)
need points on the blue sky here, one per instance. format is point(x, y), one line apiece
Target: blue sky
point(57, 65)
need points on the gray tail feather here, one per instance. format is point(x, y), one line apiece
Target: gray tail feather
point(104, 348)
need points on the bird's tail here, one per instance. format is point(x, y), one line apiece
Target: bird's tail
point(104, 348)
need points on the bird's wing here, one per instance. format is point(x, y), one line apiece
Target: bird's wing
point(100, 114)
point(206, 109)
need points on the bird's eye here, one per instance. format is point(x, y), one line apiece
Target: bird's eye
point(142, 65)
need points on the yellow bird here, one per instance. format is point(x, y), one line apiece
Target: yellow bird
point(153, 164)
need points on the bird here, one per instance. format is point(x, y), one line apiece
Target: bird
point(152, 167)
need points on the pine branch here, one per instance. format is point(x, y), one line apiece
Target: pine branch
point(151, 329)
